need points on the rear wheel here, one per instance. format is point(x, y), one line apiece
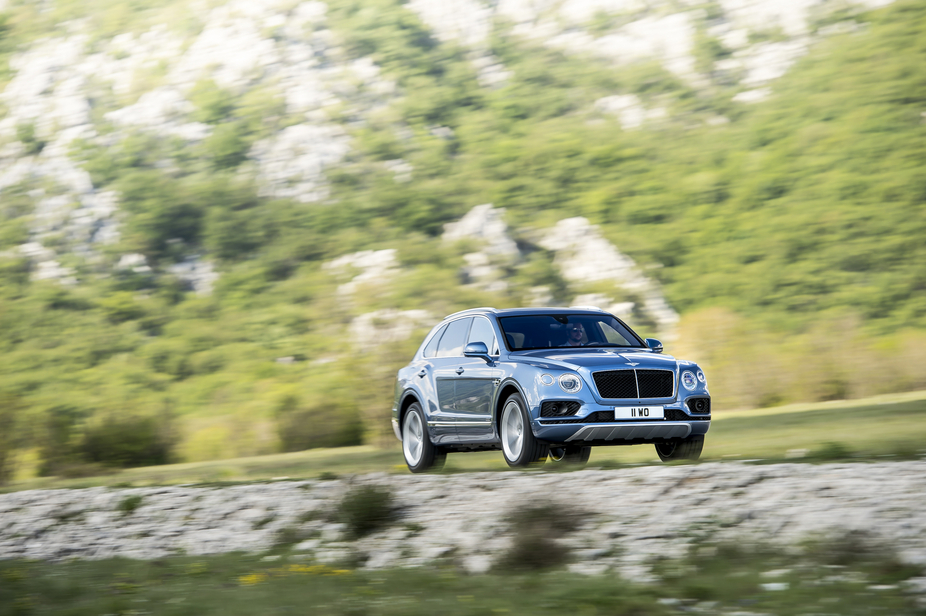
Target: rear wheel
point(686, 449)
point(519, 445)
point(572, 455)
point(420, 453)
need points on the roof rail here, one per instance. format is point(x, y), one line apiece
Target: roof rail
point(468, 310)
point(587, 308)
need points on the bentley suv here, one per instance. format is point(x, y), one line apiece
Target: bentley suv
point(541, 383)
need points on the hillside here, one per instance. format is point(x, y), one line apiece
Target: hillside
point(208, 209)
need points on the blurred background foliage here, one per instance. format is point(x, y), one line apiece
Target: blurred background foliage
point(790, 238)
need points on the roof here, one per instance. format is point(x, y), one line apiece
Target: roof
point(508, 312)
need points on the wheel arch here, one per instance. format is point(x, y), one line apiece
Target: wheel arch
point(504, 391)
point(408, 398)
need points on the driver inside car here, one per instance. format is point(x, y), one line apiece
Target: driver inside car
point(574, 334)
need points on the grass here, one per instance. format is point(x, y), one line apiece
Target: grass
point(709, 579)
point(883, 428)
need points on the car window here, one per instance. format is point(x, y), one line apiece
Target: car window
point(482, 331)
point(431, 349)
point(451, 343)
point(546, 331)
point(613, 336)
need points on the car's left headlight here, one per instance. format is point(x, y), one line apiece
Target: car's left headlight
point(689, 380)
point(702, 378)
point(570, 383)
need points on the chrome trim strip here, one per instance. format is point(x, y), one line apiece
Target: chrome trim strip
point(626, 432)
point(487, 422)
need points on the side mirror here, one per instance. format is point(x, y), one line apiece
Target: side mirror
point(654, 345)
point(478, 349)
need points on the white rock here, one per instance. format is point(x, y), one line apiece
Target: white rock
point(388, 326)
point(583, 255)
point(484, 223)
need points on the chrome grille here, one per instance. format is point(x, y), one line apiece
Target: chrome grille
point(635, 384)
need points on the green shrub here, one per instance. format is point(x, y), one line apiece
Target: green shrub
point(535, 530)
point(125, 441)
point(366, 509)
point(129, 504)
point(333, 423)
point(26, 134)
point(10, 408)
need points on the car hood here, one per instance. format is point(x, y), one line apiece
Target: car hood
point(594, 359)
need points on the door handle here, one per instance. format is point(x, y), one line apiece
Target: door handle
point(460, 370)
point(423, 373)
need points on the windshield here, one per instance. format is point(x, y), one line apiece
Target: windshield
point(549, 331)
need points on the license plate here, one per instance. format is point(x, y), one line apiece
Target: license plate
point(639, 412)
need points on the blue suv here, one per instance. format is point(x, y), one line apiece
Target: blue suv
point(545, 382)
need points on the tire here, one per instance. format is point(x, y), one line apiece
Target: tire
point(687, 449)
point(572, 455)
point(420, 453)
point(519, 446)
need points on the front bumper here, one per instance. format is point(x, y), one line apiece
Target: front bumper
point(574, 430)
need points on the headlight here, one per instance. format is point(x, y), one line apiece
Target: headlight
point(547, 379)
point(689, 380)
point(570, 383)
point(701, 377)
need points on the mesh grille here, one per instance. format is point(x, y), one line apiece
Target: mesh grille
point(655, 383)
point(616, 384)
point(676, 415)
point(699, 406)
point(553, 408)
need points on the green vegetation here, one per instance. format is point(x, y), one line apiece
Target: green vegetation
point(860, 431)
point(535, 529)
point(366, 509)
point(129, 504)
point(845, 576)
point(790, 238)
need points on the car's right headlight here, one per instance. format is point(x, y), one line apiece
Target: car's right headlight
point(689, 380)
point(570, 383)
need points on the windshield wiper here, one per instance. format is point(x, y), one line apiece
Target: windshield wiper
point(610, 344)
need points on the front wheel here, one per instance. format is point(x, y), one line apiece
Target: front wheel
point(686, 449)
point(420, 453)
point(572, 455)
point(519, 445)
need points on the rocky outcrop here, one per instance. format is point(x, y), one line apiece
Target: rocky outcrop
point(584, 255)
point(632, 515)
point(281, 47)
point(625, 31)
point(364, 267)
point(388, 326)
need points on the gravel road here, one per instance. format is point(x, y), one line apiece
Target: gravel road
point(631, 514)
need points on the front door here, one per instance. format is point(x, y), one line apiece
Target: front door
point(442, 421)
point(475, 390)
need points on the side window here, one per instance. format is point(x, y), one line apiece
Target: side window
point(451, 343)
point(482, 332)
point(431, 349)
